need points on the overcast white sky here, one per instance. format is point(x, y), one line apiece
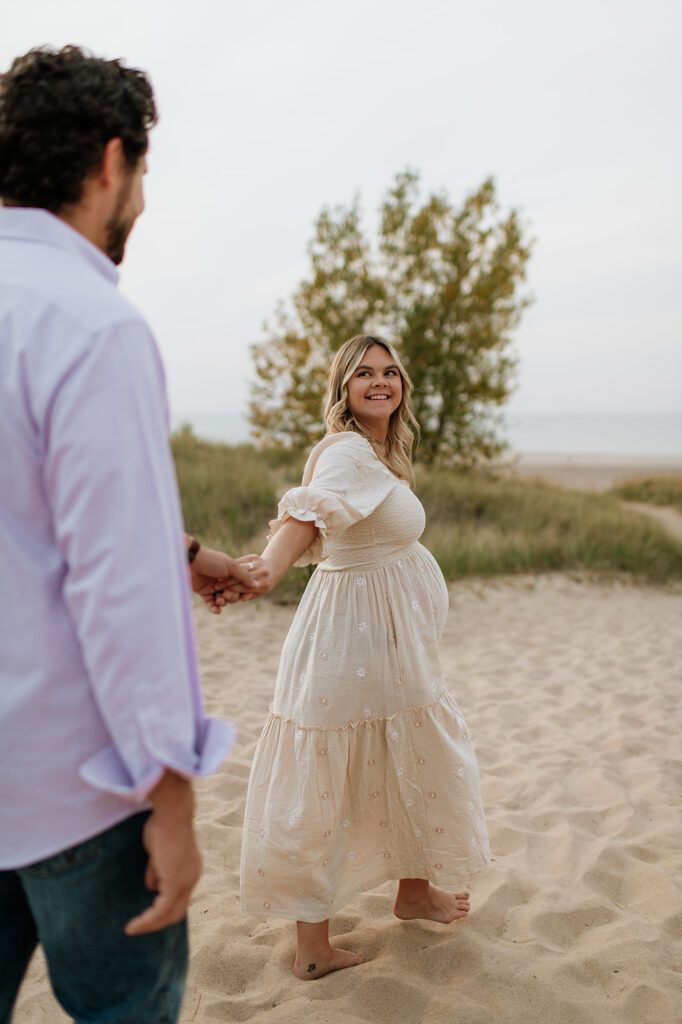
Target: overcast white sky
point(270, 110)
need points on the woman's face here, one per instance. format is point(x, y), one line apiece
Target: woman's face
point(375, 390)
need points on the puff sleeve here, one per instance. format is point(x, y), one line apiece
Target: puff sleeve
point(343, 482)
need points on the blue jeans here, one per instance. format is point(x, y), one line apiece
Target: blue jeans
point(76, 905)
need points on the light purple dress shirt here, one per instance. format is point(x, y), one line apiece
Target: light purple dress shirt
point(99, 688)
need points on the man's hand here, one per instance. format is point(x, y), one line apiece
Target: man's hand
point(174, 863)
point(220, 580)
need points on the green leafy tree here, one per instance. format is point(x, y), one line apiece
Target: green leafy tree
point(441, 282)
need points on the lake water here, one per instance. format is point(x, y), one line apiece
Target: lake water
point(576, 435)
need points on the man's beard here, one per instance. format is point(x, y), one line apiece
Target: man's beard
point(119, 227)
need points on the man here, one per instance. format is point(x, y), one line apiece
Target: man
point(101, 724)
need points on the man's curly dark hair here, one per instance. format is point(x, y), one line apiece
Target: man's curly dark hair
point(58, 110)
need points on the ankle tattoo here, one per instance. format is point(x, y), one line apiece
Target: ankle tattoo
point(311, 968)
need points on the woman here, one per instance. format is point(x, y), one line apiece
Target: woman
point(364, 771)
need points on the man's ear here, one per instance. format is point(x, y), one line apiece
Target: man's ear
point(112, 166)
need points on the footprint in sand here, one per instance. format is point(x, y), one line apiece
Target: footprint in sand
point(564, 928)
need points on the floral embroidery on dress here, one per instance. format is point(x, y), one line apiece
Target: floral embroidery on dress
point(367, 713)
point(376, 794)
point(438, 865)
point(301, 678)
point(383, 824)
point(401, 564)
point(371, 763)
point(460, 771)
point(421, 760)
point(325, 795)
point(261, 872)
point(417, 832)
point(345, 823)
point(292, 820)
point(362, 627)
point(266, 906)
point(420, 647)
point(351, 855)
point(394, 734)
point(432, 795)
point(324, 655)
point(361, 672)
point(401, 772)
point(321, 751)
point(439, 830)
point(324, 700)
point(387, 855)
point(361, 581)
point(415, 606)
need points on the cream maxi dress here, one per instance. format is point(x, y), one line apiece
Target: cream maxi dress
point(365, 770)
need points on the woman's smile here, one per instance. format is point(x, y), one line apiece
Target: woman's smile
point(375, 391)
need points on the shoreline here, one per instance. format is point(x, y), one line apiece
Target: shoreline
point(587, 472)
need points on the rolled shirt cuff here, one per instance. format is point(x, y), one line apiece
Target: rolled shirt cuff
point(106, 770)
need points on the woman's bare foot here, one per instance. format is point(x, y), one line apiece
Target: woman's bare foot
point(332, 960)
point(315, 956)
point(417, 898)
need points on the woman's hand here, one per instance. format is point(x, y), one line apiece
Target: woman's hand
point(220, 580)
point(261, 580)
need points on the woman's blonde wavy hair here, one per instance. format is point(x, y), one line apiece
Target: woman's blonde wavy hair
point(396, 452)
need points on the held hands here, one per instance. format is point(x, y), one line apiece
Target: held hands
point(283, 549)
point(251, 577)
point(261, 580)
point(220, 580)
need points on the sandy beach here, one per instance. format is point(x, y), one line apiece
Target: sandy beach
point(571, 689)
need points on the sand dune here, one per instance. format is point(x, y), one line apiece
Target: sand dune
point(572, 692)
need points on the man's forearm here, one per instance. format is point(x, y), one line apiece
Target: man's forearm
point(173, 797)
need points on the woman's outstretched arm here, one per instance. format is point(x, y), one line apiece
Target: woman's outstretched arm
point(282, 550)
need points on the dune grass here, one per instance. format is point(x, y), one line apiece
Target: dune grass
point(228, 492)
point(482, 526)
point(662, 490)
point(477, 525)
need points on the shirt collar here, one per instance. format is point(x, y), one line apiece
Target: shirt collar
point(36, 225)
